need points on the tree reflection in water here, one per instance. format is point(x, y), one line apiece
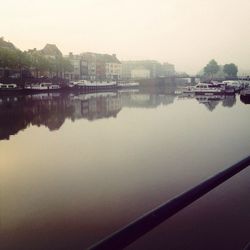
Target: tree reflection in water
point(51, 110)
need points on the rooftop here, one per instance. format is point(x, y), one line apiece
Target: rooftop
point(51, 50)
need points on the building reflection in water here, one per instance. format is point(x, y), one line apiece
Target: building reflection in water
point(52, 109)
point(95, 105)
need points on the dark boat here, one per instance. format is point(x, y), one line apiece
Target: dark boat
point(11, 87)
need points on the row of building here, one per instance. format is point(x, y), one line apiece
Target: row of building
point(93, 66)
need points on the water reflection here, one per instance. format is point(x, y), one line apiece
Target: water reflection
point(211, 102)
point(52, 109)
point(114, 156)
point(245, 99)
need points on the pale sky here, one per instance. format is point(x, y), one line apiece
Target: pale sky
point(187, 33)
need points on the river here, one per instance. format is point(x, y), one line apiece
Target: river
point(76, 167)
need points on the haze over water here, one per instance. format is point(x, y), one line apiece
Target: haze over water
point(75, 168)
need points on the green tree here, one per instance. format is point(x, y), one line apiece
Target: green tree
point(230, 69)
point(211, 68)
point(67, 66)
point(39, 63)
point(21, 60)
point(60, 65)
point(52, 66)
point(7, 59)
point(12, 58)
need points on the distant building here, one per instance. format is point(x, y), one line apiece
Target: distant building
point(88, 68)
point(140, 74)
point(100, 66)
point(151, 65)
point(76, 63)
point(51, 51)
point(155, 68)
point(93, 66)
point(113, 67)
point(168, 69)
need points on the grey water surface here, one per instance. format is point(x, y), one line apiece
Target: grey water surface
point(76, 167)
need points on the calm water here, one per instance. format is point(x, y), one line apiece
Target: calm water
point(74, 168)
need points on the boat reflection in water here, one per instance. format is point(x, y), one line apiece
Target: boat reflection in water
point(88, 164)
point(51, 110)
point(211, 101)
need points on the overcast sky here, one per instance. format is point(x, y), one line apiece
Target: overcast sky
point(187, 33)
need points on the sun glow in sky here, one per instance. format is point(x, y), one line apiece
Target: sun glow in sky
point(187, 33)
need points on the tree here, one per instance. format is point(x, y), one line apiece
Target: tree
point(60, 65)
point(39, 62)
point(211, 68)
point(67, 65)
point(21, 61)
point(230, 69)
point(13, 59)
point(7, 59)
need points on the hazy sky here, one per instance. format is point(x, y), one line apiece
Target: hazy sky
point(187, 33)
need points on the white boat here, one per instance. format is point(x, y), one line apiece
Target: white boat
point(101, 84)
point(245, 92)
point(204, 89)
point(129, 90)
point(94, 85)
point(80, 83)
point(237, 85)
point(42, 87)
point(178, 91)
point(228, 90)
point(128, 84)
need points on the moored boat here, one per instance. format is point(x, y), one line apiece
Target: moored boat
point(124, 84)
point(245, 95)
point(245, 92)
point(9, 87)
point(228, 90)
point(236, 85)
point(212, 88)
point(208, 89)
point(204, 89)
point(42, 87)
point(88, 85)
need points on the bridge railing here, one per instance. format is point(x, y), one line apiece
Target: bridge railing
point(150, 220)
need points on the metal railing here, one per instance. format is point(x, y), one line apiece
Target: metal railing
point(130, 233)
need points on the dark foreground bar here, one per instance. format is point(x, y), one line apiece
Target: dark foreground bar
point(150, 220)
